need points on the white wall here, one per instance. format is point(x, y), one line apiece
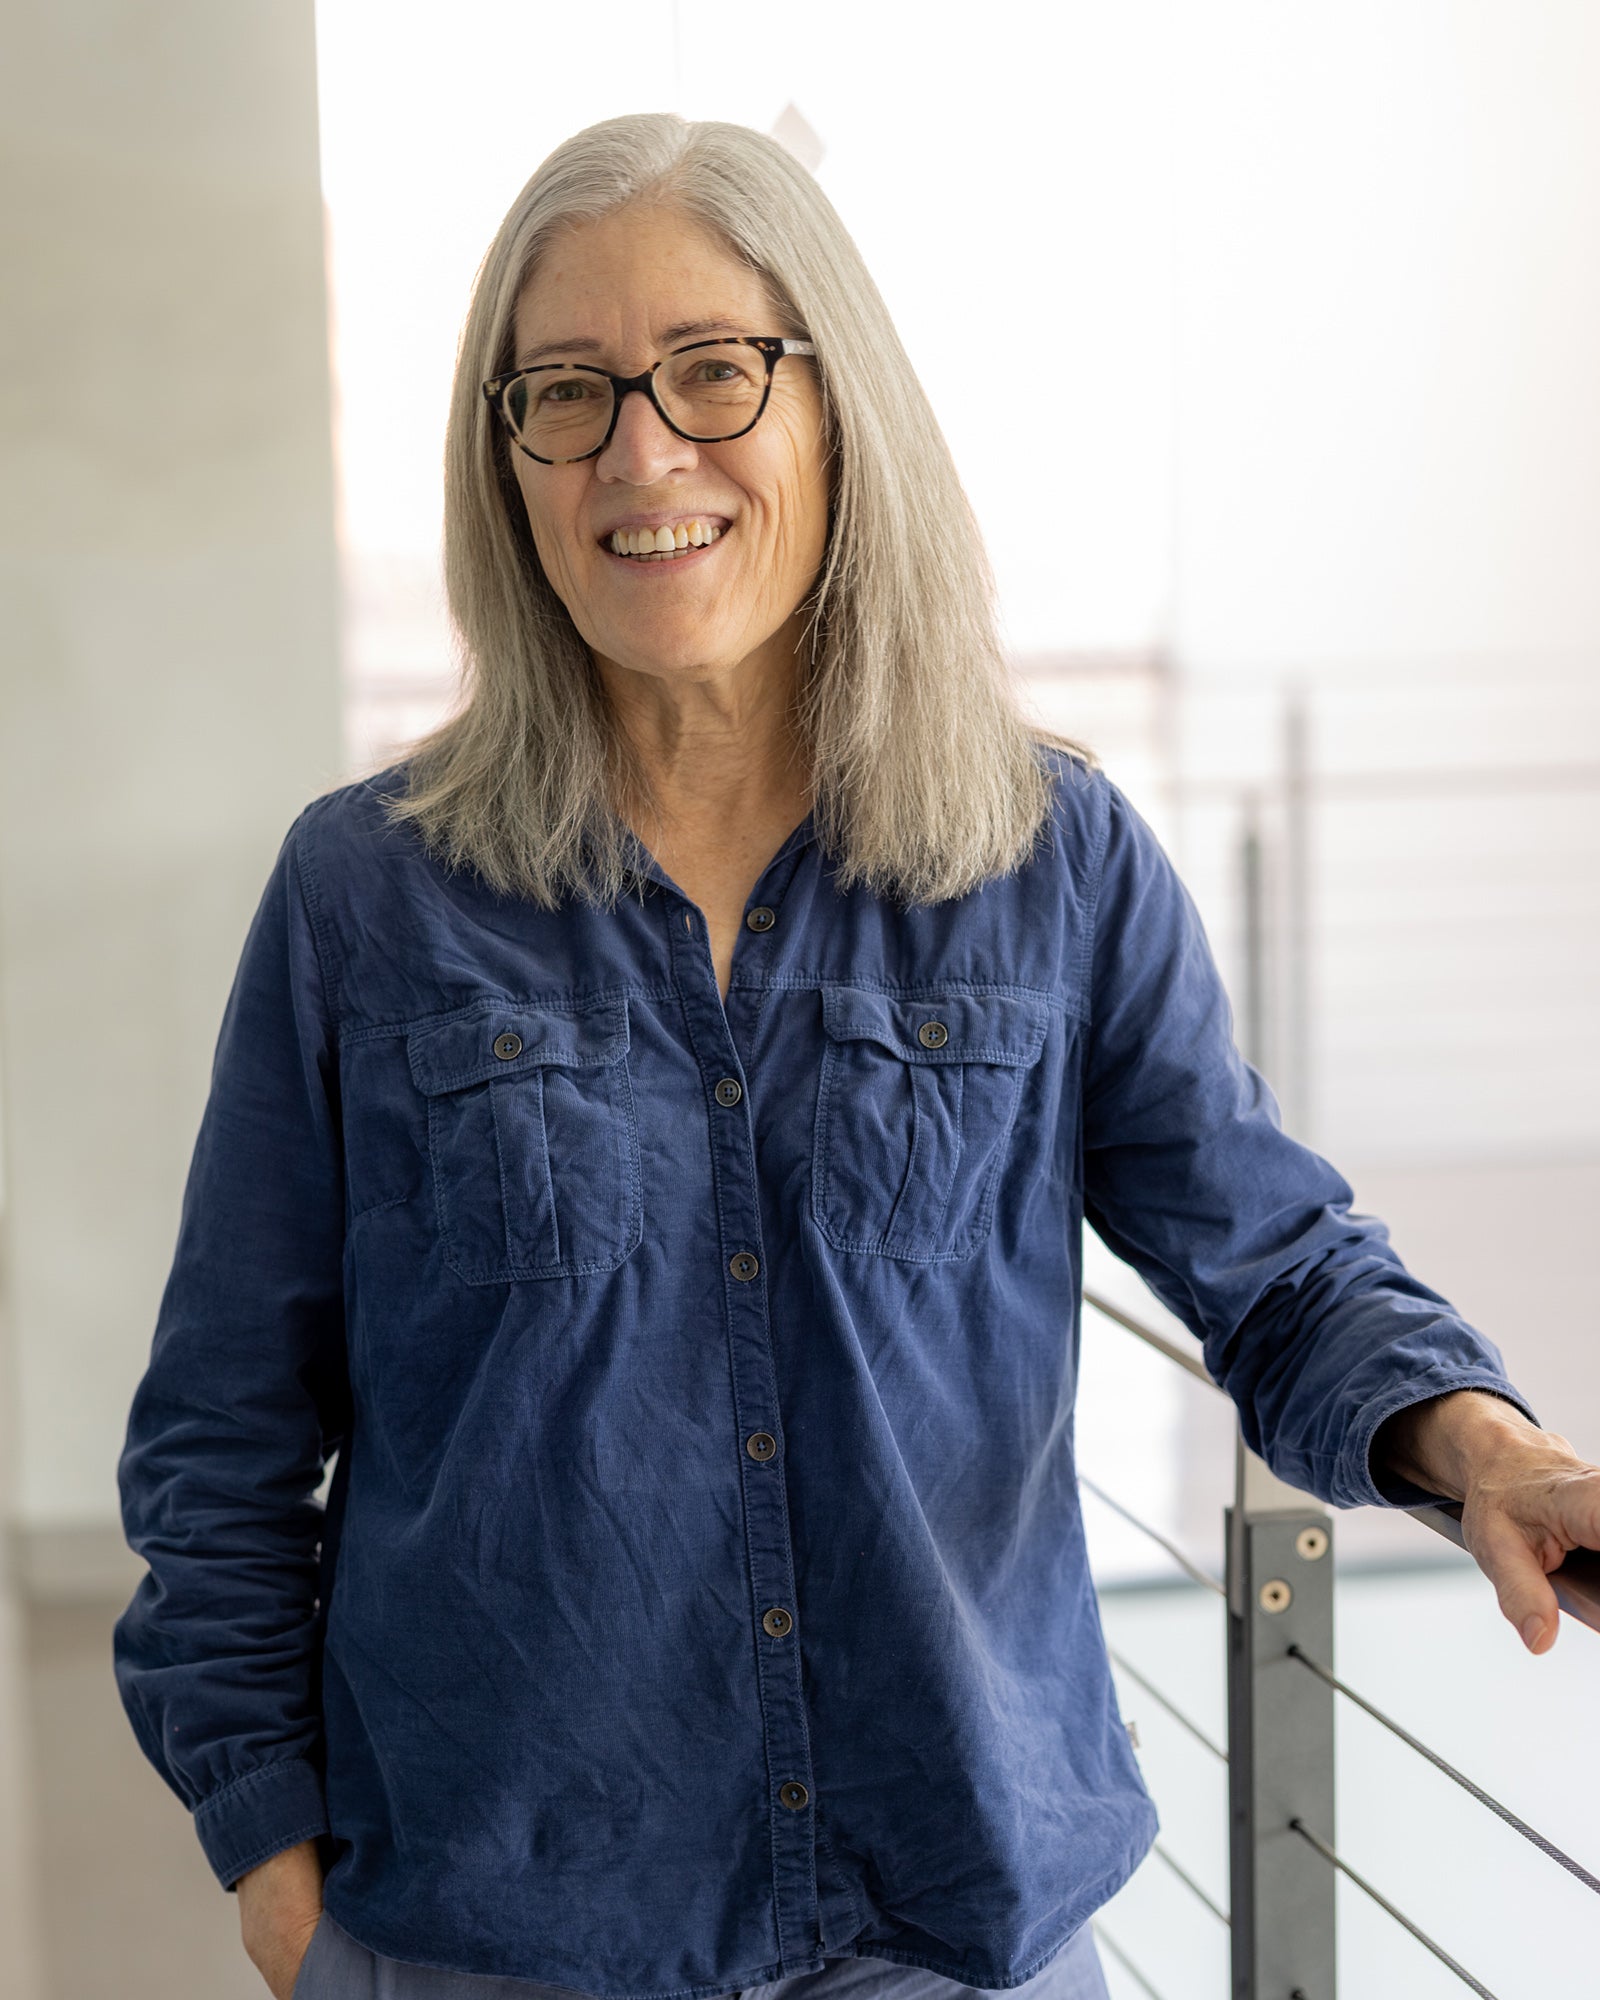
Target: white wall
point(1389, 306)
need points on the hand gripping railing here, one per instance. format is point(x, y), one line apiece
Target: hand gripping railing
point(1282, 1857)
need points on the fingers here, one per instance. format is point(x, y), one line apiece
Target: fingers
point(1501, 1550)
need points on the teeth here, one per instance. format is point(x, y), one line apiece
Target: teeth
point(663, 541)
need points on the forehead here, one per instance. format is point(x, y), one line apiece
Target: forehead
point(640, 276)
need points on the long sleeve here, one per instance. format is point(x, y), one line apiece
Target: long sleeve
point(237, 1412)
point(1306, 1315)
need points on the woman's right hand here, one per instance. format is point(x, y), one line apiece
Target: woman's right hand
point(280, 1905)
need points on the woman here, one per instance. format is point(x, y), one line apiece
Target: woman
point(649, 1140)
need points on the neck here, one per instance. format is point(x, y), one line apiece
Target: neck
point(718, 749)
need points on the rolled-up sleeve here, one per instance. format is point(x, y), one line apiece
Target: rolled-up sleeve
point(238, 1411)
point(1306, 1315)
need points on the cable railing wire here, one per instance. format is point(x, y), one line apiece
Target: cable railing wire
point(1399, 1916)
point(1144, 1527)
point(1298, 1825)
point(1103, 1936)
point(1177, 1714)
point(1189, 1882)
point(1189, 1363)
point(1578, 1592)
point(1484, 1798)
point(1327, 1852)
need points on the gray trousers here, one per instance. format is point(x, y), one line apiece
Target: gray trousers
point(335, 1967)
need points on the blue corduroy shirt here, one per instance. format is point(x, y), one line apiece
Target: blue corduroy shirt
point(701, 1589)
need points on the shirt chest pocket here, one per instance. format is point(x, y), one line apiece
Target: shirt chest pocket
point(916, 1101)
point(532, 1139)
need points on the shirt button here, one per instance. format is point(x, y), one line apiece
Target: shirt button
point(728, 1090)
point(743, 1265)
point(761, 1444)
point(777, 1621)
point(933, 1034)
point(793, 1794)
point(760, 918)
point(507, 1045)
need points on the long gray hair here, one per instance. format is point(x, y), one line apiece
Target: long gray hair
point(926, 774)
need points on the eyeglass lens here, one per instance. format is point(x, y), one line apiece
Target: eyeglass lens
point(710, 392)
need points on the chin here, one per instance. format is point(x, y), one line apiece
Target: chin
point(656, 653)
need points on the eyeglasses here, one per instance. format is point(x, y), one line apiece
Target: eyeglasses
point(706, 393)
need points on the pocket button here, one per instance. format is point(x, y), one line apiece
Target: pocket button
point(507, 1046)
point(933, 1034)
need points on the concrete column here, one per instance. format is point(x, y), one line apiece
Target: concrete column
point(169, 696)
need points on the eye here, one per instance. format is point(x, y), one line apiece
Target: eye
point(552, 392)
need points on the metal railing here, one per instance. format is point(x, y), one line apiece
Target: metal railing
point(1283, 1859)
point(1278, 867)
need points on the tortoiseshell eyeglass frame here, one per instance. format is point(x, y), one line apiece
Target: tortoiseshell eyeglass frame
point(773, 347)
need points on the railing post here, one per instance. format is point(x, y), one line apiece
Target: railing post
point(1280, 1738)
point(1296, 904)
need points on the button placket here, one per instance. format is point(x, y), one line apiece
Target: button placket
point(768, 1542)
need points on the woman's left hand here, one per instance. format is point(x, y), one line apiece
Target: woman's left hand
point(1527, 1499)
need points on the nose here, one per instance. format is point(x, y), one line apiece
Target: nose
point(643, 446)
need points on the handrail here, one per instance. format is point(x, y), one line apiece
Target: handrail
point(1576, 1581)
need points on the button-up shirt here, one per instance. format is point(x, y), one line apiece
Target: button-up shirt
point(701, 1590)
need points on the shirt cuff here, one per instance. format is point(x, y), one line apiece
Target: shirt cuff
point(1359, 1480)
point(260, 1814)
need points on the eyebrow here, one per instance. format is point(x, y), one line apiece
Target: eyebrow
point(683, 330)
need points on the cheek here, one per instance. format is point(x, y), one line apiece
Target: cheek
point(799, 506)
point(530, 505)
point(801, 533)
point(543, 523)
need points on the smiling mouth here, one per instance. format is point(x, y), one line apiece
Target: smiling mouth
point(663, 558)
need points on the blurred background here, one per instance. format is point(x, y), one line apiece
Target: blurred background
point(1298, 529)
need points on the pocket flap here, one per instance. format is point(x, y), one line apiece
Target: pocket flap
point(461, 1049)
point(977, 1027)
